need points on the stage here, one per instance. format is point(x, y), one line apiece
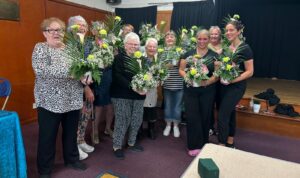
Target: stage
point(287, 90)
point(267, 120)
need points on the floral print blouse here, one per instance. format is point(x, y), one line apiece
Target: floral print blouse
point(54, 89)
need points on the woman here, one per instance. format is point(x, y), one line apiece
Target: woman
point(128, 104)
point(83, 147)
point(173, 92)
point(231, 93)
point(216, 46)
point(215, 39)
point(199, 100)
point(102, 103)
point(58, 98)
point(151, 96)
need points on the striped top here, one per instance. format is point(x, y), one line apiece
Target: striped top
point(174, 81)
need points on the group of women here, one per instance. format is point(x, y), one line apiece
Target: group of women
point(59, 97)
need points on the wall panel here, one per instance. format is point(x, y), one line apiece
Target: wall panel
point(17, 40)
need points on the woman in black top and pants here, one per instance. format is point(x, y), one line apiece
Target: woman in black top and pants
point(232, 92)
point(199, 100)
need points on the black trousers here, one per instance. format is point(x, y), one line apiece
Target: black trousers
point(230, 97)
point(48, 128)
point(216, 106)
point(198, 104)
point(150, 114)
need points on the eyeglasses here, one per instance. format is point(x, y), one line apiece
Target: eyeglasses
point(133, 44)
point(53, 31)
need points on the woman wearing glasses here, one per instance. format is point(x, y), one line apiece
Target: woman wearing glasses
point(58, 98)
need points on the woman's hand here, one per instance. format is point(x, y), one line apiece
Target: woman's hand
point(89, 95)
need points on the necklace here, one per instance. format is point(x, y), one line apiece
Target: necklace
point(202, 52)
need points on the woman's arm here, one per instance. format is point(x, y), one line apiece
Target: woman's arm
point(182, 67)
point(249, 69)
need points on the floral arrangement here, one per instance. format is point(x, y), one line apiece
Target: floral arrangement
point(143, 79)
point(170, 55)
point(148, 31)
point(113, 26)
point(196, 71)
point(187, 38)
point(75, 51)
point(102, 50)
point(159, 70)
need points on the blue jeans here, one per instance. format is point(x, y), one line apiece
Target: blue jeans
point(172, 105)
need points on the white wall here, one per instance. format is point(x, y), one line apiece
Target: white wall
point(101, 4)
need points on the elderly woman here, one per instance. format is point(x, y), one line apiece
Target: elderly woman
point(173, 92)
point(199, 99)
point(151, 96)
point(215, 39)
point(83, 147)
point(216, 46)
point(230, 94)
point(128, 104)
point(58, 98)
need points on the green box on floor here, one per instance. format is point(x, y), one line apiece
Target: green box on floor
point(207, 168)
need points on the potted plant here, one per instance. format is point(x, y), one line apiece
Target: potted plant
point(256, 106)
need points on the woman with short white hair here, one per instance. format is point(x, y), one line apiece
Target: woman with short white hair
point(128, 104)
point(150, 115)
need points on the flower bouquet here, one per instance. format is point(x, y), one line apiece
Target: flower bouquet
point(159, 70)
point(187, 38)
point(228, 68)
point(81, 65)
point(113, 26)
point(196, 71)
point(171, 55)
point(102, 51)
point(148, 31)
point(143, 79)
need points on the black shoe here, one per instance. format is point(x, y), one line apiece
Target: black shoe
point(45, 176)
point(230, 145)
point(151, 131)
point(77, 165)
point(136, 148)
point(119, 154)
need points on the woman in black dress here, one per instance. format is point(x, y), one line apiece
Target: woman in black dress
point(233, 91)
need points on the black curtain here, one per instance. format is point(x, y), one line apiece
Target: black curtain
point(187, 14)
point(272, 29)
point(137, 16)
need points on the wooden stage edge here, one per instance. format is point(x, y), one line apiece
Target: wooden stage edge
point(270, 122)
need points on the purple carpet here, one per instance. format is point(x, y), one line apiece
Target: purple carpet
point(165, 157)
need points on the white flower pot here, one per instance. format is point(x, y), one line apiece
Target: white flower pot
point(196, 84)
point(225, 82)
point(256, 108)
point(174, 62)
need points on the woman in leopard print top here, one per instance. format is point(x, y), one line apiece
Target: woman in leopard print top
point(58, 98)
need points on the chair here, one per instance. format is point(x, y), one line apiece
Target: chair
point(5, 90)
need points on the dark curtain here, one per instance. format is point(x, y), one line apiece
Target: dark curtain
point(187, 14)
point(272, 29)
point(137, 16)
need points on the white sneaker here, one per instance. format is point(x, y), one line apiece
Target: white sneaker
point(82, 155)
point(167, 131)
point(86, 148)
point(176, 132)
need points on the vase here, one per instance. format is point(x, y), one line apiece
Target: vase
point(256, 108)
point(196, 84)
point(224, 81)
point(174, 62)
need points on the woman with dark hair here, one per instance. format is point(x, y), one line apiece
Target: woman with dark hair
point(233, 91)
point(198, 100)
